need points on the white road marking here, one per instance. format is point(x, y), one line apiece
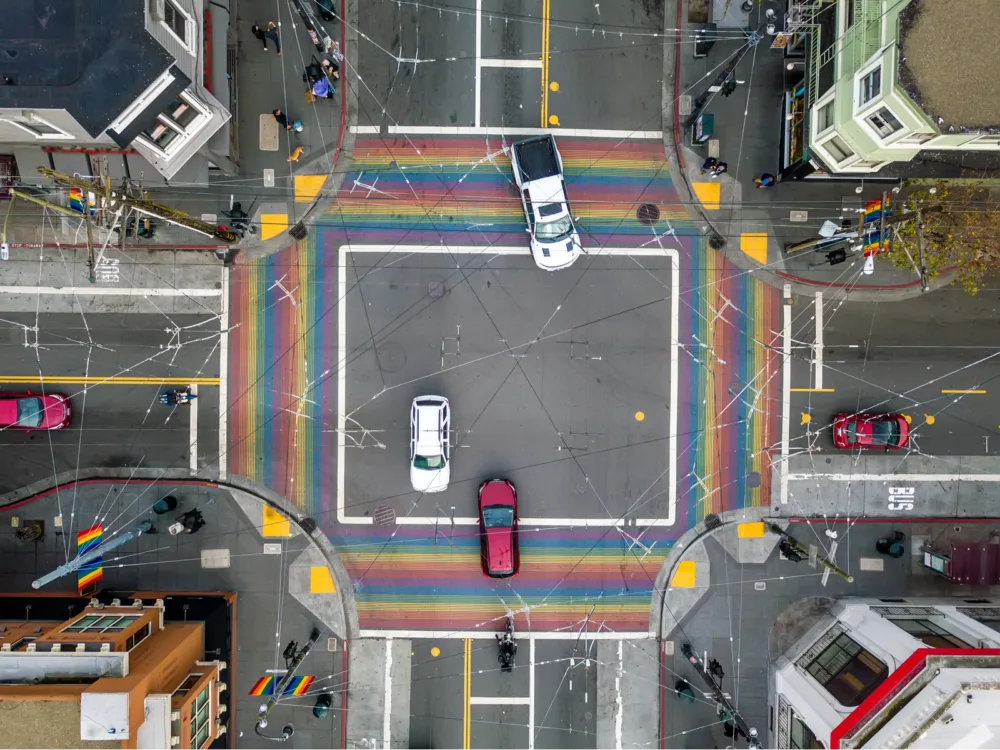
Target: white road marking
point(342, 516)
point(818, 343)
point(366, 129)
point(501, 63)
point(786, 388)
point(541, 635)
point(959, 477)
point(531, 692)
point(109, 291)
point(489, 700)
point(479, 59)
point(387, 708)
point(224, 377)
point(193, 434)
point(618, 697)
point(640, 135)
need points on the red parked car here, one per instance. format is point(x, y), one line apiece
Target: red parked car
point(498, 528)
point(33, 411)
point(888, 431)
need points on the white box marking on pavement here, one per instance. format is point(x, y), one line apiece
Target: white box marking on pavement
point(212, 559)
point(496, 62)
point(623, 135)
point(873, 564)
point(387, 707)
point(786, 387)
point(193, 434)
point(109, 291)
point(366, 129)
point(224, 377)
point(342, 354)
point(272, 549)
point(818, 342)
point(479, 59)
point(572, 634)
point(489, 700)
point(531, 692)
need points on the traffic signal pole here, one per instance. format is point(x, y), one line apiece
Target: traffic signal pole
point(703, 99)
point(749, 732)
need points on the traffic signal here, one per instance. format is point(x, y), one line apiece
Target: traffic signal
point(729, 87)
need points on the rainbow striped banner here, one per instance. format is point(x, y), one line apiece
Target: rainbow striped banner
point(298, 685)
point(93, 571)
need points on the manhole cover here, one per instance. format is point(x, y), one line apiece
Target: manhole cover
point(435, 289)
point(735, 388)
point(384, 516)
point(391, 356)
point(753, 479)
point(647, 214)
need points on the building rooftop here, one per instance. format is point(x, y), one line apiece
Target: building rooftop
point(41, 723)
point(947, 65)
point(90, 58)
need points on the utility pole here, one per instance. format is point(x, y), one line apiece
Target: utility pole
point(753, 38)
point(80, 560)
point(804, 552)
point(920, 251)
point(729, 711)
point(294, 657)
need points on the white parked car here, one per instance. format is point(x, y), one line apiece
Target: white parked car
point(430, 444)
point(538, 172)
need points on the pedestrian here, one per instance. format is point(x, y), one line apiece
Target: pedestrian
point(282, 120)
point(331, 69)
point(296, 154)
point(192, 521)
point(267, 32)
point(709, 164)
point(766, 180)
point(719, 169)
point(322, 89)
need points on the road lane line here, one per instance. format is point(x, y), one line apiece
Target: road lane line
point(546, 12)
point(499, 62)
point(621, 135)
point(224, 377)
point(107, 380)
point(109, 291)
point(466, 696)
point(786, 385)
point(366, 129)
point(479, 60)
point(542, 635)
point(818, 342)
point(896, 478)
point(971, 390)
point(387, 706)
point(342, 390)
point(490, 700)
point(193, 434)
point(618, 698)
point(812, 390)
point(531, 692)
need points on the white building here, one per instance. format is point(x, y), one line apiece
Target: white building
point(888, 673)
point(140, 80)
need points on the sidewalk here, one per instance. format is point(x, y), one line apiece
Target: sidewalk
point(751, 226)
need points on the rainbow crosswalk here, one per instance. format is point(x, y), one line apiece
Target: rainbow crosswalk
point(425, 191)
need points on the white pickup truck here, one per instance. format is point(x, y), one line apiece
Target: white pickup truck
point(538, 172)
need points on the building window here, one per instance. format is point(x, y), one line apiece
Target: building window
point(178, 121)
point(847, 671)
point(801, 737)
point(916, 139)
point(824, 117)
point(176, 21)
point(138, 637)
point(36, 126)
point(189, 682)
point(884, 122)
point(100, 624)
point(988, 140)
point(871, 86)
point(837, 149)
point(201, 710)
point(929, 633)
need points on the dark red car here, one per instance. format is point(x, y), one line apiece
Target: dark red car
point(33, 411)
point(887, 431)
point(498, 528)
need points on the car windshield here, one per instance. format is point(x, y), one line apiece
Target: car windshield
point(498, 516)
point(428, 462)
point(553, 230)
point(29, 412)
point(885, 432)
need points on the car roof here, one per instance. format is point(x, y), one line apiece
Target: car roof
point(497, 492)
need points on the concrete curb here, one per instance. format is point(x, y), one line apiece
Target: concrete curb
point(305, 524)
point(673, 10)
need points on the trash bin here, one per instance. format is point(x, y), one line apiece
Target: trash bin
point(892, 546)
point(165, 505)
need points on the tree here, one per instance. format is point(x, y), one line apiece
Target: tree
point(960, 225)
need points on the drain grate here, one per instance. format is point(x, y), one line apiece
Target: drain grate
point(384, 516)
point(647, 214)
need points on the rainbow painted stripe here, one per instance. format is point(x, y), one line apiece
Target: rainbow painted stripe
point(93, 571)
point(298, 685)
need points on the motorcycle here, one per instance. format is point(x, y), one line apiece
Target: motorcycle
point(177, 398)
point(507, 646)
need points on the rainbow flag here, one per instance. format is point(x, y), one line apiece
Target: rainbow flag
point(93, 571)
point(76, 200)
point(295, 686)
point(873, 210)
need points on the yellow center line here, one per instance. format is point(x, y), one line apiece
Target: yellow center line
point(99, 380)
point(965, 391)
point(811, 390)
point(466, 697)
point(546, 10)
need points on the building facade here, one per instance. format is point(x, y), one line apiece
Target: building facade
point(858, 95)
point(886, 673)
point(141, 82)
point(113, 675)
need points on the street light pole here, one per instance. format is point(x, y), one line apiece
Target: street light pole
point(294, 656)
point(804, 551)
point(749, 732)
point(80, 560)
